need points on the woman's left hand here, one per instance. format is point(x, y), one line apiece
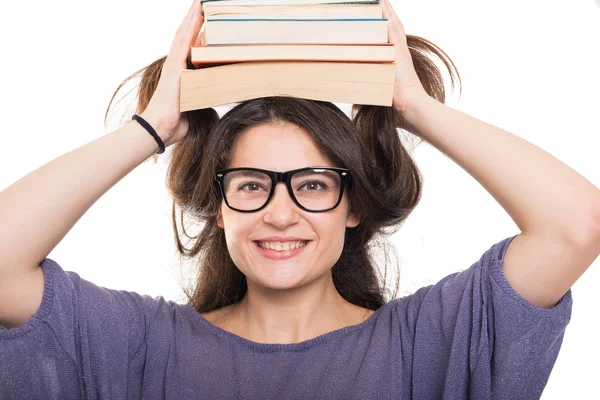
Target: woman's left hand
point(407, 85)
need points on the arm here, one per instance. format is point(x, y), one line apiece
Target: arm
point(38, 210)
point(557, 210)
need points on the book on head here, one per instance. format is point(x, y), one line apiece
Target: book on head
point(295, 31)
point(206, 3)
point(207, 55)
point(329, 50)
point(354, 83)
point(367, 10)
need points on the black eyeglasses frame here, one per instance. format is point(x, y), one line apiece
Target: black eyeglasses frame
point(285, 177)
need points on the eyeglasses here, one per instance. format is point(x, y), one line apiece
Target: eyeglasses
point(314, 189)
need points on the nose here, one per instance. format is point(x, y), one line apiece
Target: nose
point(281, 210)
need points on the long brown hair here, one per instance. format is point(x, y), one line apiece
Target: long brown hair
point(385, 189)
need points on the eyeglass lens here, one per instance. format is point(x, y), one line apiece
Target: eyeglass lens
point(315, 190)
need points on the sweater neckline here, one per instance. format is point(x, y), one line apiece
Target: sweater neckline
point(286, 347)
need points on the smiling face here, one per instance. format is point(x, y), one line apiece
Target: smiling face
point(283, 147)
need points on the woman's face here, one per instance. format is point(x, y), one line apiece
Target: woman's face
point(283, 147)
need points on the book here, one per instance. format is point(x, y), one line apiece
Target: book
point(355, 83)
point(295, 31)
point(207, 3)
point(329, 50)
point(365, 10)
point(207, 55)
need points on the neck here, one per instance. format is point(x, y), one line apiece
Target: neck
point(294, 315)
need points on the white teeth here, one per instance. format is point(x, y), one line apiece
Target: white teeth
point(281, 246)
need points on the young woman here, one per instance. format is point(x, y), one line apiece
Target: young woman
point(288, 303)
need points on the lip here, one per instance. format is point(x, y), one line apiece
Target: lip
point(280, 255)
point(282, 239)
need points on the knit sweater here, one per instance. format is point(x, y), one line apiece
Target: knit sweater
point(468, 336)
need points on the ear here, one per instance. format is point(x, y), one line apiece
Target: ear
point(220, 219)
point(353, 218)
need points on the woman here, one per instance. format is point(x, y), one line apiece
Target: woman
point(266, 321)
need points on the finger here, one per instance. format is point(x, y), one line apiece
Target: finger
point(185, 36)
point(188, 17)
point(396, 32)
point(388, 10)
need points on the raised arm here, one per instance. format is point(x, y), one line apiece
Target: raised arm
point(37, 211)
point(41, 208)
point(556, 209)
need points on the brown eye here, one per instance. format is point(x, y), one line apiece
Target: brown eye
point(251, 187)
point(314, 186)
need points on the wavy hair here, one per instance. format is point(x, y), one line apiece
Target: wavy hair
point(386, 183)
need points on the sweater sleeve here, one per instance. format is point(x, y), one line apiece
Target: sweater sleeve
point(82, 342)
point(476, 337)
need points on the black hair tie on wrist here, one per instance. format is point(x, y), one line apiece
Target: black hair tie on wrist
point(146, 125)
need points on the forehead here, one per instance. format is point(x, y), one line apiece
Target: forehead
point(277, 147)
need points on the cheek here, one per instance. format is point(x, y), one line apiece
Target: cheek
point(237, 227)
point(330, 230)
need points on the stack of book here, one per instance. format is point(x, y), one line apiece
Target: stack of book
point(329, 50)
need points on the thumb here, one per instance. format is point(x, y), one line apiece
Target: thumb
point(185, 37)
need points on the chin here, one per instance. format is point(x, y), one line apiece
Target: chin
point(278, 278)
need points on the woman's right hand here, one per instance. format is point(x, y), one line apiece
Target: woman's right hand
point(163, 111)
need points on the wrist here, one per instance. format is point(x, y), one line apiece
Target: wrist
point(411, 110)
point(158, 127)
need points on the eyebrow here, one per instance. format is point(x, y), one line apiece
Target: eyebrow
point(250, 174)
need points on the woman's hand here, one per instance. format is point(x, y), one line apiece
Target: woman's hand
point(163, 111)
point(407, 85)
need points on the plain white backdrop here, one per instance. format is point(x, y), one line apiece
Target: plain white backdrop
point(528, 67)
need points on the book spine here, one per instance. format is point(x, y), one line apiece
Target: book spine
point(259, 3)
point(293, 19)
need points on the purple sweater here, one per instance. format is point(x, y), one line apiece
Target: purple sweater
point(468, 336)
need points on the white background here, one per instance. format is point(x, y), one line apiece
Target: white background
point(530, 67)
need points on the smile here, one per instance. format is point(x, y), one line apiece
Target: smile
point(280, 250)
point(281, 246)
